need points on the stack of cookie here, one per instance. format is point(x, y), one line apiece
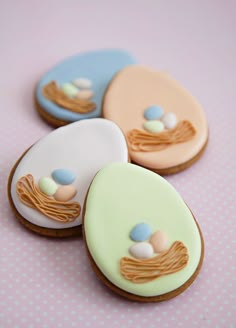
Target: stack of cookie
point(78, 179)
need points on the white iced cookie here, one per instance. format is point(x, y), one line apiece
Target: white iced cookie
point(48, 185)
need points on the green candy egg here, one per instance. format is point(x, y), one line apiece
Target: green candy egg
point(153, 126)
point(69, 89)
point(47, 186)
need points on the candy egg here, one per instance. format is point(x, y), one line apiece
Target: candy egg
point(153, 112)
point(169, 120)
point(140, 232)
point(69, 89)
point(63, 176)
point(84, 94)
point(65, 193)
point(153, 126)
point(83, 83)
point(47, 186)
point(142, 250)
point(159, 241)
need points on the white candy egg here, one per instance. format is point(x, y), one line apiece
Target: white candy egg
point(82, 83)
point(169, 120)
point(141, 250)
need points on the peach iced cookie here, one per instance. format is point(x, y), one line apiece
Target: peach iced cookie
point(165, 126)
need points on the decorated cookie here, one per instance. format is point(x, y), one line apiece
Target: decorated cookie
point(48, 185)
point(74, 89)
point(165, 127)
point(142, 239)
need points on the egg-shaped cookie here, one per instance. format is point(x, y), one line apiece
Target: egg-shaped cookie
point(48, 184)
point(125, 198)
point(138, 99)
point(73, 89)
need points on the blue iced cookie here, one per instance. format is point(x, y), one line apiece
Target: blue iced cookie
point(74, 89)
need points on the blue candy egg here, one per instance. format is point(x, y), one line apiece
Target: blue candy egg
point(63, 176)
point(153, 112)
point(141, 232)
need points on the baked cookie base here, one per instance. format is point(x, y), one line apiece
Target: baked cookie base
point(180, 167)
point(47, 232)
point(51, 120)
point(137, 298)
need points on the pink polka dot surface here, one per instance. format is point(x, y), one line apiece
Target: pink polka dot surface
point(49, 283)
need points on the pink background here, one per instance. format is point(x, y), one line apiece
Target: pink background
point(49, 283)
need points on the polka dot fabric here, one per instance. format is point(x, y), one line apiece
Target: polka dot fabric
point(48, 283)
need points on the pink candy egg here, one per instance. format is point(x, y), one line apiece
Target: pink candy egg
point(84, 94)
point(65, 193)
point(159, 241)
